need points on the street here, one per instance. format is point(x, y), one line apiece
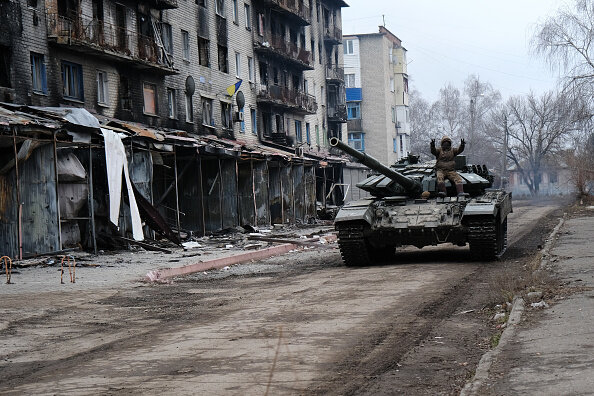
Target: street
point(301, 323)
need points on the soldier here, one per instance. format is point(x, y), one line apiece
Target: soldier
point(445, 165)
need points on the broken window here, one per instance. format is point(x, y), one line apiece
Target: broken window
point(223, 61)
point(102, 94)
point(263, 74)
point(72, 81)
point(167, 37)
point(149, 92)
point(38, 74)
point(5, 55)
point(125, 96)
point(203, 51)
point(171, 103)
point(207, 115)
point(226, 115)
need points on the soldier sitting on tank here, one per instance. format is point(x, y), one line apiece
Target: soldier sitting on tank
point(445, 165)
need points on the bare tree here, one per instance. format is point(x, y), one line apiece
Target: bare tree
point(449, 112)
point(566, 40)
point(422, 124)
point(536, 128)
point(580, 159)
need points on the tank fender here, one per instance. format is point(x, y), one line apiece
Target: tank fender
point(354, 213)
point(480, 209)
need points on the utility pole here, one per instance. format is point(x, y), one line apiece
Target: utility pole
point(504, 156)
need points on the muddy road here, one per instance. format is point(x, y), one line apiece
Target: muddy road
point(301, 323)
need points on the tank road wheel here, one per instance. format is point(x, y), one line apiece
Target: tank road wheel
point(487, 238)
point(353, 247)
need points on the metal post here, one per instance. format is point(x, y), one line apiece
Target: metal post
point(18, 195)
point(254, 193)
point(221, 193)
point(91, 199)
point(201, 196)
point(176, 194)
point(280, 176)
point(239, 211)
point(268, 193)
point(57, 193)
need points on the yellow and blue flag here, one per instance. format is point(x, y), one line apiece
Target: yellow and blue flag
point(231, 89)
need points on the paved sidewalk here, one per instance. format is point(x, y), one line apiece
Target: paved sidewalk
point(555, 354)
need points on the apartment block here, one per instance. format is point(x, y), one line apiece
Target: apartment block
point(376, 81)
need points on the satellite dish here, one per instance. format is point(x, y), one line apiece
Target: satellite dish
point(190, 85)
point(240, 100)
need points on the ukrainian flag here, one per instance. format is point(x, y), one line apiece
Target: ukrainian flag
point(231, 89)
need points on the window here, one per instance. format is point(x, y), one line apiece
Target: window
point(38, 75)
point(248, 16)
point(307, 134)
point(201, 3)
point(72, 81)
point(223, 61)
point(226, 115)
point(318, 135)
point(405, 84)
point(250, 69)
point(305, 86)
point(320, 53)
point(220, 7)
point(392, 84)
point(401, 145)
point(254, 121)
point(242, 124)
point(203, 52)
point(298, 131)
point(189, 108)
point(394, 141)
point(553, 178)
point(261, 24)
point(150, 99)
point(353, 110)
point(237, 65)
point(235, 13)
point(102, 94)
point(185, 44)
point(313, 50)
point(171, 105)
point(393, 114)
point(207, 116)
point(167, 37)
point(348, 47)
point(357, 140)
point(349, 80)
point(5, 55)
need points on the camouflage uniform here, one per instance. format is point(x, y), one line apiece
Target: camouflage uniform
point(446, 165)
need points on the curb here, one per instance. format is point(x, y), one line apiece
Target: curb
point(481, 374)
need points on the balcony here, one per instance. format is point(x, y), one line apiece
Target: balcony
point(294, 9)
point(163, 4)
point(284, 97)
point(332, 35)
point(275, 45)
point(355, 125)
point(99, 38)
point(337, 113)
point(335, 74)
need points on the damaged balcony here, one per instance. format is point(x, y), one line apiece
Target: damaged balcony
point(335, 74)
point(163, 4)
point(337, 113)
point(332, 35)
point(99, 38)
point(275, 45)
point(294, 9)
point(284, 97)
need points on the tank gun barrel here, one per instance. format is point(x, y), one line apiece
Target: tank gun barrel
point(411, 185)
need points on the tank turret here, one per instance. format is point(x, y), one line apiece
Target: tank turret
point(412, 187)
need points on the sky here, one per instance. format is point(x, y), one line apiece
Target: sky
point(449, 40)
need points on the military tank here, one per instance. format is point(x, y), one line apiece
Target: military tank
point(405, 209)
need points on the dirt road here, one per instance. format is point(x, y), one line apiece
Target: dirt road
point(296, 324)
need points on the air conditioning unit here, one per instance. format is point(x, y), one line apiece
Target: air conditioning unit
point(238, 116)
point(299, 151)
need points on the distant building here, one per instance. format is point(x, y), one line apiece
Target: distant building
point(554, 181)
point(377, 95)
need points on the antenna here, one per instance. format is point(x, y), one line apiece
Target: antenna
point(384, 19)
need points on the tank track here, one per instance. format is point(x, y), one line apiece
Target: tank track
point(487, 239)
point(353, 247)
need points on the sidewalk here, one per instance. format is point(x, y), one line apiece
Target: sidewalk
point(554, 354)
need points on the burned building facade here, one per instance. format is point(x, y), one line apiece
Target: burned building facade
point(173, 68)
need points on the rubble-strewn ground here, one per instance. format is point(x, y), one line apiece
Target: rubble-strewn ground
point(301, 323)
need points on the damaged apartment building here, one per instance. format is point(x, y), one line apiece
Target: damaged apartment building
point(224, 109)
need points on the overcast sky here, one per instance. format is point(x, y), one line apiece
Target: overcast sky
point(449, 40)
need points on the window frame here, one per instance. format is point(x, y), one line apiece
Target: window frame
point(357, 107)
point(208, 110)
point(189, 104)
point(203, 50)
point(69, 68)
point(223, 68)
point(235, 12)
point(171, 103)
point(220, 8)
point(226, 115)
point(102, 88)
point(185, 45)
point(298, 131)
point(144, 102)
point(38, 64)
point(247, 10)
point(237, 64)
point(251, 72)
point(352, 141)
point(349, 47)
point(167, 40)
point(308, 134)
point(349, 80)
point(254, 121)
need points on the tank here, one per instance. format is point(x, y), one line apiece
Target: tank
point(405, 209)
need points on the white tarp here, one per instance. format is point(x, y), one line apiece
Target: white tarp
point(115, 158)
